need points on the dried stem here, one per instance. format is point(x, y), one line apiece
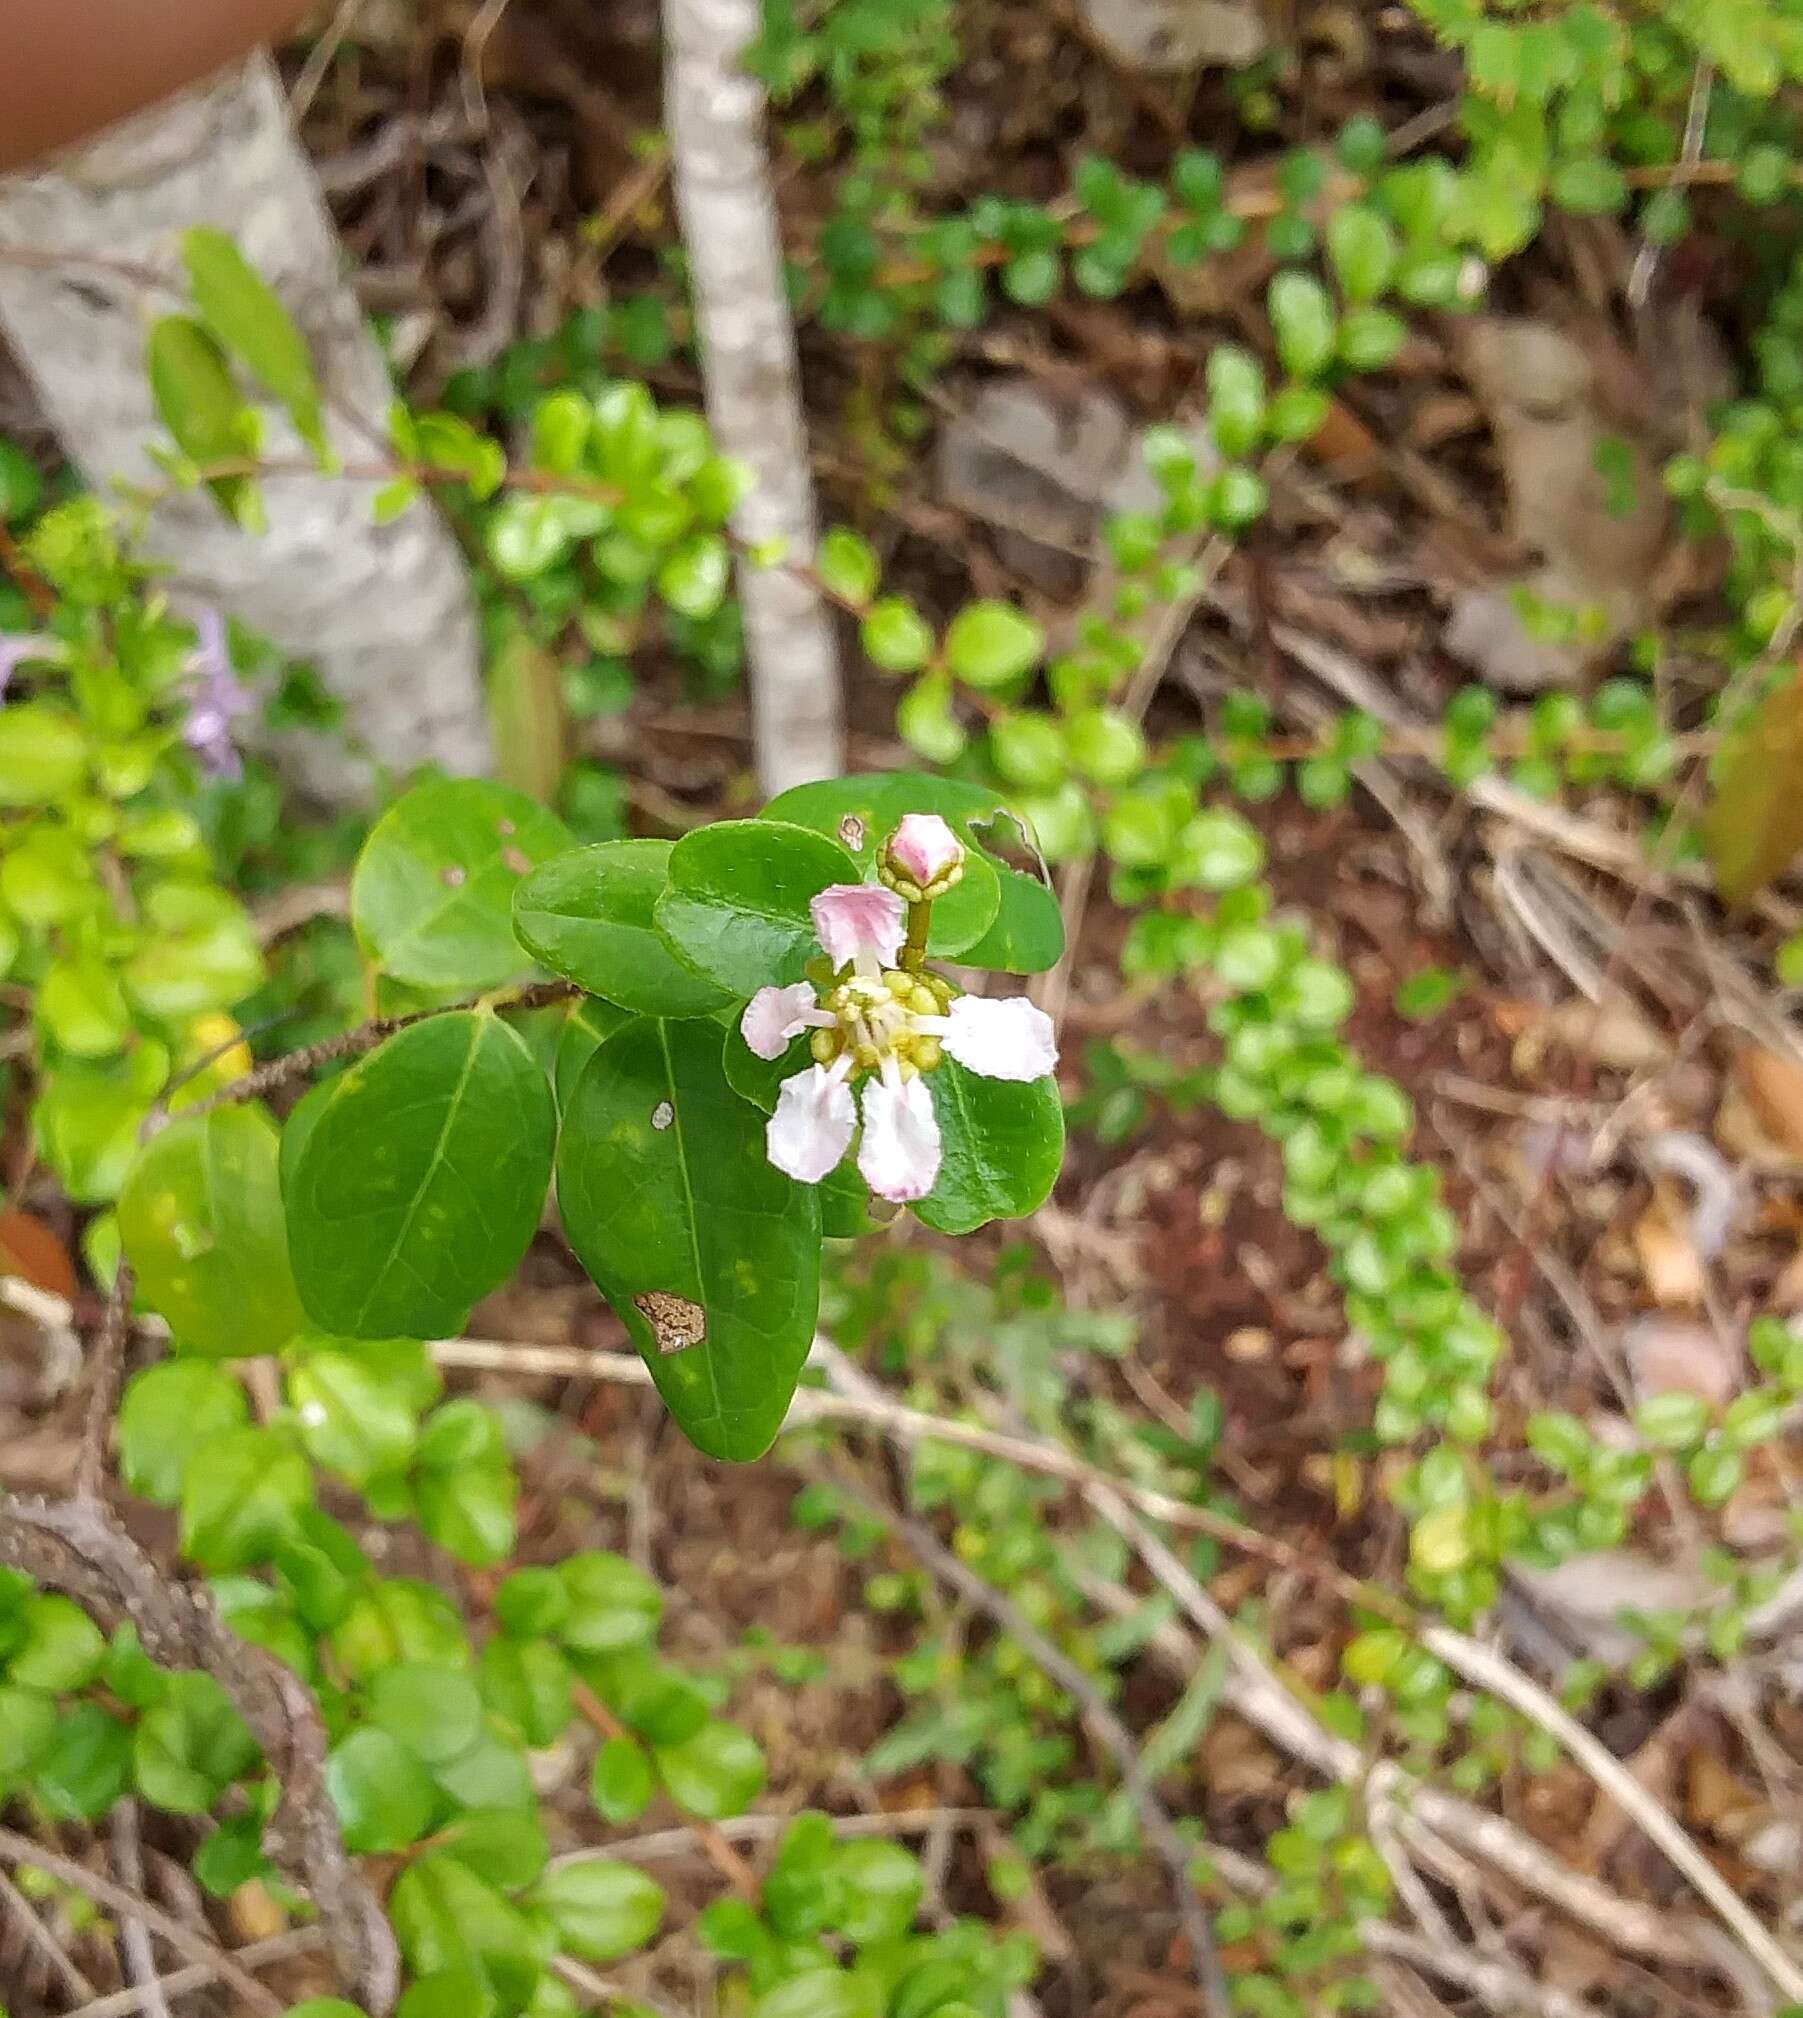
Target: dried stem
point(19, 1849)
point(1160, 1832)
point(106, 1376)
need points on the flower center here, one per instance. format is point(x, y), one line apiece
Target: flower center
point(884, 1022)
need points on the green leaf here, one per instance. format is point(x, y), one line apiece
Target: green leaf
point(201, 1221)
point(1003, 1143)
point(62, 1647)
point(447, 1918)
point(324, 2007)
point(503, 1846)
point(201, 407)
point(247, 317)
point(694, 575)
point(588, 915)
point(432, 895)
point(602, 1909)
point(464, 1490)
point(1753, 825)
point(896, 636)
point(434, 1711)
point(716, 1773)
point(1363, 248)
point(882, 1886)
point(384, 1795)
point(171, 1411)
point(848, 565)
point(28, 1723)
point(397, 1619)
point(1021, 934)
point(991, 644)
point(190, 1747)
point(736, 905)
point(86, 1766)
point(43, 753)
point(241, 1495)
point(621, 1785)
point(842, 1993)
point(87, 1118)
point(352, 1420)
point(493, 1773)
point(414, 1181)
point(675, 1211)
point(1302, 321)
point(202, 954)
point(81, 1007)
point(588, 1024)
point(528, 1685)
point(611, 1606)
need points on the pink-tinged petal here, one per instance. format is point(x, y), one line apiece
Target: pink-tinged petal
point(854, 918)
point(812, 1126)
point(899, 1156)
point(1006, 1039)
point(774, 1017)
point(923, 848)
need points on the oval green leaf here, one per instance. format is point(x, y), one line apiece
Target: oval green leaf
point(736, 907)
point(588, 915)
point(1004, 1141)
point(414, 1181)
point(432, 895)
point(690, 1233)
point(201, 1221)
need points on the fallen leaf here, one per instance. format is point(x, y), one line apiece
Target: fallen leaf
point(1678, 1355)
point(1753, 825)
point(1669, 1262)
point(1583, 1599)
point(1772, 1084)
point(30, 1250)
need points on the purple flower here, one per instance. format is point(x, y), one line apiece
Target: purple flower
point(216, 698)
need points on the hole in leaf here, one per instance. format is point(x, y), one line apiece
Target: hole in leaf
point(675, 1322)
point(1005, 836)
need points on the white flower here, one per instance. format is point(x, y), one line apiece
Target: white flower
point(899, 1156)
point(774, 1017)
point(884, 1028)
point(854, 918)
point(1006, 1039)
point(924, 851)
point(812, 1126)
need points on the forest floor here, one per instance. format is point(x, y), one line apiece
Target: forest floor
point(1612, 1089)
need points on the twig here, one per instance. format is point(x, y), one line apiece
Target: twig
point(197, 1975)
point(1484, 1668)
point(714, 111)
point(1115, 1737)
point(665, 1843)
point(353, 1043)
point(76, 1546)
point(41, 1938)
point(106, 1376)
point(134, 1936)
point(19, 1849)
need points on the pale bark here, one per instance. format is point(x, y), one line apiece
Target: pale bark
point(383, 612)
point(714, 113)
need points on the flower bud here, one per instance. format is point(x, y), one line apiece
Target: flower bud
point(923, 858)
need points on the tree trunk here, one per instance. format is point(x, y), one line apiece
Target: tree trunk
point(383, 612)
point(715, 114)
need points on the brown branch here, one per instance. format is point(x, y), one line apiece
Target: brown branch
point(75, 1546)
point(354, 1043)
